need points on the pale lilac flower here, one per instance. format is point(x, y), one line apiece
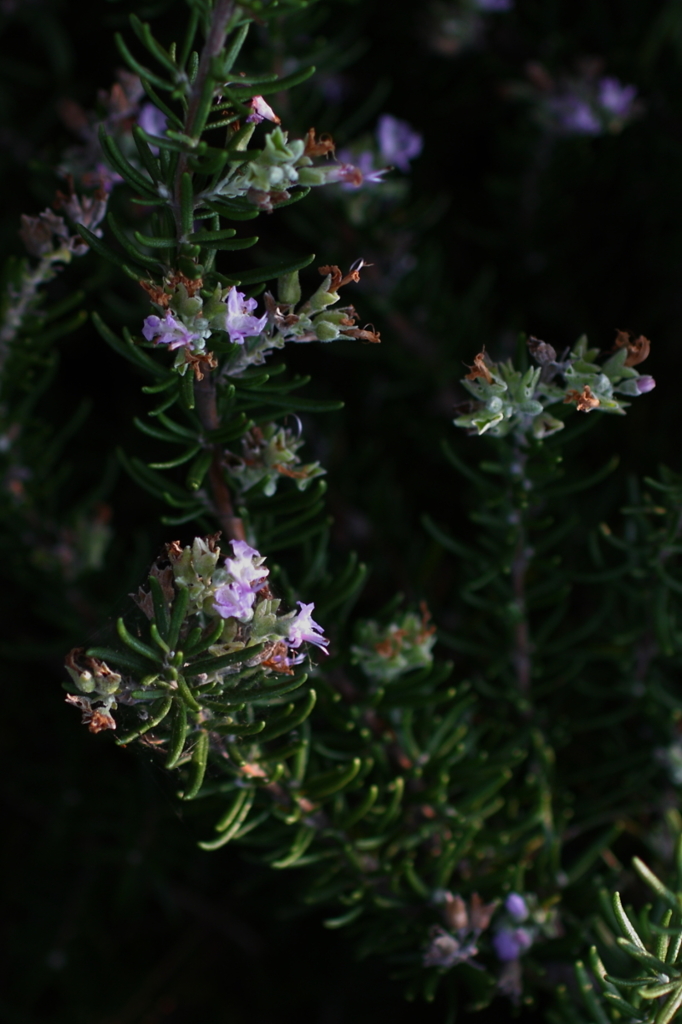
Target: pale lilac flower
point(304, 629)
point(353, 176)
point(262, 111)
point(644, 384)
point(239, 323)
point(242, 567)
point(516, 906)
point(233, 601)
point(509, 944)
point(398, 142)
point(574, 115)
point(102, 177)
point(152, 120)
point(166, 330)
point(615, 97)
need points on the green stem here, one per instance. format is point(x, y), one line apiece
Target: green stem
point(215, 41)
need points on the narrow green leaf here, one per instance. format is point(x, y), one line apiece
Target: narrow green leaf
point(287, 82)
point(199, 469)
point(271, 272)
point(344, 919)
point(333, 781)
point(138, 68)
point(271, 732)
point(178, 733)
point(199, 762)
point(162, 710)
point(647, 875)
point(136, 645)
point(178, 615)
point(231, 831)
point(302, 840)
point(215, 664)
point(589, 996)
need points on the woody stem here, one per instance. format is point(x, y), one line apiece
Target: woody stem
point(521, 654)
point(205, 396)
point(215, 41)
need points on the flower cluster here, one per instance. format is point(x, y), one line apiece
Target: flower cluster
point(385, 653)
point(458, 942)
point(268, 454)
point(588, 103)
point(54, 243)
point(508, 400)
point(120, 108)
point(185, 321)
point(395, 144)
point(98, 686)
point(523, 921)
point(282, 164)
point(230, 602)
point(48, 237)
point(237, 592)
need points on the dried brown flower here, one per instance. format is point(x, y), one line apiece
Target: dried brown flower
point(638, 348)
point(585, 401)
point(318, 146)
point(480, 369)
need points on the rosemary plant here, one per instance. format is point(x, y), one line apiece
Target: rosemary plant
point(456, 818)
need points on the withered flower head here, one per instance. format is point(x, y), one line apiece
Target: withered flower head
point(200, 361)
point(585, 401)
point(638, 348)
point(541, 351)
point(97, 719)
point(455, 913)
point(318, 146)
point(366, 333)
point(338, 279)
point(480, 369)
point(481, 912)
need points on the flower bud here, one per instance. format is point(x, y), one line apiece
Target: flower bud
point(645, 383)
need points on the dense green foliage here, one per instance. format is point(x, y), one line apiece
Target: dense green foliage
point(447, 804)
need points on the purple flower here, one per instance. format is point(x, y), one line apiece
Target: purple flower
point(398, 142)
point(516, 906)
point(494, 5)
point(239, 323)
point(236, 599)
point(644, 384)
point(511, 944)
point(167, 330)
point(233, 601)
point(575, 115)
point(262, 111)
point(353, 176)
point(152, 120)
point(616, 98)
point(303, 629)
point(242, 568)
point(102, 177)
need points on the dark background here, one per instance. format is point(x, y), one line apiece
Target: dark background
point(113, 915)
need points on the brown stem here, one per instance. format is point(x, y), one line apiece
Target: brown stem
point(207, 410)
point(521, 655)
point(522, 649)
